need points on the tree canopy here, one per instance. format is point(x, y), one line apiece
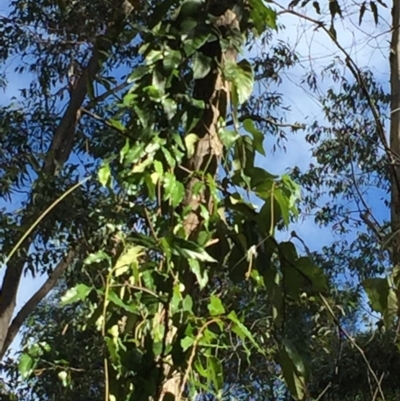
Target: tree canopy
point(134, 177)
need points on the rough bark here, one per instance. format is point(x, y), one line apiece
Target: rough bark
point(58, 153)
point(213, 90)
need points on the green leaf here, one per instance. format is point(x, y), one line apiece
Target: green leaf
point(241, 75)
point(228, 137)
point(158, 81)
point(174, 189)
point(171, 59)
point(96, 258)
point(314, 274)
point(190, 141)
point(294, 381)
point(128, 258)
point(201, 36)
point(382, 298)
point(187, 26)
point(215, 372)
point(258, 137)
point(170, 159)
point(75, 294)
point(200, 273)
point(154, 93)
point(215, 306)
point(104, 175)
point(187, 304)
point(115, 299)
point(241, 330)
point(189, 250)
point(201, 65)
point(377, 290)
point(283, 202)
point(295, 357)
point(262, 16)
point(129, 99)
point(153, 56)
point(25, 365)
point(186, 343)
point(113, 351)
point(138, 73)
point(117, 124)
point(170, 107)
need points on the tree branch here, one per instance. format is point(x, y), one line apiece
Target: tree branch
point(268, 120)
point(63, 139)
point(31, 304)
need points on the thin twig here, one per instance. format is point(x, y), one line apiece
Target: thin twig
point(268, 120)
point(103, 120)
point(192, 355)
point(356, 346)
point(338, 324)
point(43, 215)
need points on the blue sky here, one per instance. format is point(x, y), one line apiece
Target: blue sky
point(368, 45)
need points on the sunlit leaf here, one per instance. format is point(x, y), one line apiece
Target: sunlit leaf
point(63, 376)
point(104, 174)
point(126, 259)
point(241, 75)
point(25, 365)
point(75, 294)
point(215, 306)
point(190, 141)
point(186, 343)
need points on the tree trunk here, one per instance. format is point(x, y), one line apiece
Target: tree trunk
point(395, 143)
point(214, 91)
point(395, 127)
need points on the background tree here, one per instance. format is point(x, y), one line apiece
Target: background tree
point(159, 247)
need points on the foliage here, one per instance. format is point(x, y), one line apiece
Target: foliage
point(178, 285)
point(170, 238)
point(67, 353)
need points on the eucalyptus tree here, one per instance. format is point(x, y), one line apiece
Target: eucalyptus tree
point(356, 148)
point(136, 187)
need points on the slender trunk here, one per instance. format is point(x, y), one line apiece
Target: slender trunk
point(58, 153)
point(395, 128)
point(395, 144)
